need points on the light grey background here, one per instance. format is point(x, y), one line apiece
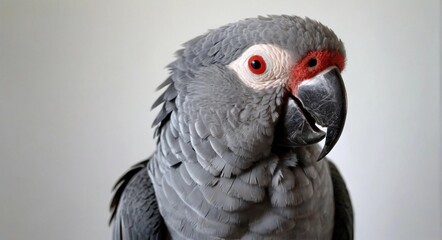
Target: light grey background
point(77, 80)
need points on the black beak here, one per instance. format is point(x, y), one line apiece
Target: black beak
point(320, 100)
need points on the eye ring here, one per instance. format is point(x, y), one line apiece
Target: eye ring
point(257, 65)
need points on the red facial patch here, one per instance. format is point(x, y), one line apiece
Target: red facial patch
point(313, 63)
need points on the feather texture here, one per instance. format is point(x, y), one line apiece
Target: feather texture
point(216, 172)
point(134, 207)
point(343, 229)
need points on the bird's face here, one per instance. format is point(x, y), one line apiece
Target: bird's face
point(314, 92)
point(261, 83)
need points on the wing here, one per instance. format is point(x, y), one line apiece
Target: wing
point(343, 229)
point(134, 207)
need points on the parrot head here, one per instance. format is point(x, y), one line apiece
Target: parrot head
point(254, 86)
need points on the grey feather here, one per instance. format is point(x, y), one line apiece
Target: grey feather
point(343, 229)
point(239, 189)
point(135, 210)
point(272, 223)
point(201, 129)
point(218, 147)
point(168, 100)
point(199, 176)
point(223, 201)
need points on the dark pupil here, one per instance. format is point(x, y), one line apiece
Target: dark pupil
point(312, 62)
point(256, 64)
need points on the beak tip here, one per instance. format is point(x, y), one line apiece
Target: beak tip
point(322, 155)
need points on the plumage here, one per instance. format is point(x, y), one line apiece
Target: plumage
point(230, 162)
point(343, 228)
point(134, 207)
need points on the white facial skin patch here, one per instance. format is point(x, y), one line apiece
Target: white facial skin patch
point(277, 66)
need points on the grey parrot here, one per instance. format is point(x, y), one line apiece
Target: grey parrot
point(237, 153)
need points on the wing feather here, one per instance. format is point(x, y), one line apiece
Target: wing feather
point(343, 229)
point(135, 213)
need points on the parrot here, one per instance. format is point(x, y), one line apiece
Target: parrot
point(238, 134)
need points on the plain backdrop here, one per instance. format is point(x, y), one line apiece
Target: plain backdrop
point(77, 79)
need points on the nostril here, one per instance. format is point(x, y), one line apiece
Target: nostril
point(312, 62)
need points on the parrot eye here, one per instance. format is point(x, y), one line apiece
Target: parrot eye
point(312, 62)
point(263, 66)
point(257, 65)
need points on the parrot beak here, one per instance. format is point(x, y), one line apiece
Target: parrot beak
point(320, 100)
